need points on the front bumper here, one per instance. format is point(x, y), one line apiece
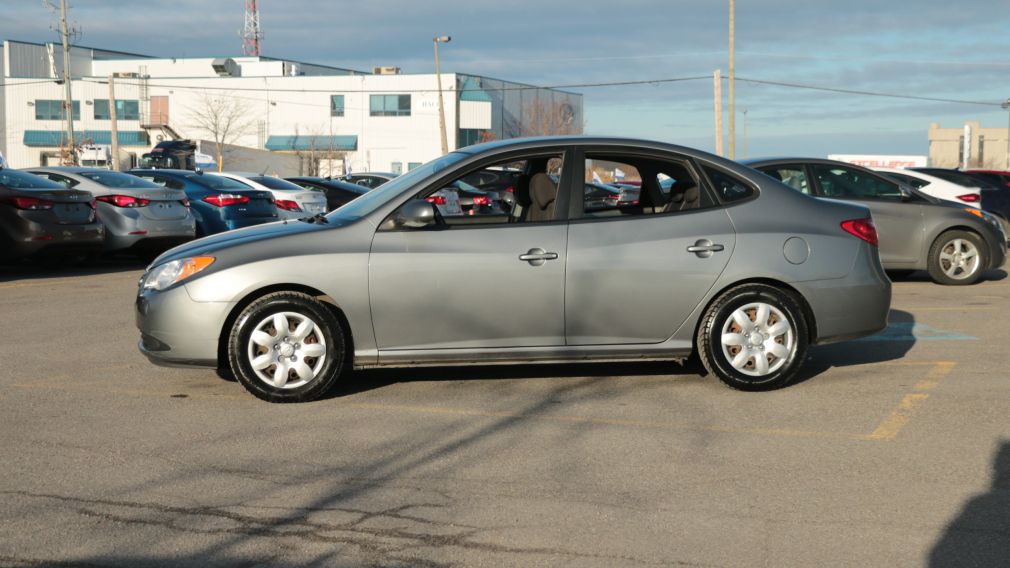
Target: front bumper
point(175, 330)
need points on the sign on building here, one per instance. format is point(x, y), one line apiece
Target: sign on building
point(882, 160)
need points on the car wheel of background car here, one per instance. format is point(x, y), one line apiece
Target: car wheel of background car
point(753, 337)
point(287, 347)
point(957, 258)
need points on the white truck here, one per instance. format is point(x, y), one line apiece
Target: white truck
point(100, 156)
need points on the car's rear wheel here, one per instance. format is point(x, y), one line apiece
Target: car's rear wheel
point(287, 347)
point(957, 258)
point(753, 337)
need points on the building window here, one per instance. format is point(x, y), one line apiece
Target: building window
point(53, 110)
point(412, 165)
point(389, 105)
point(468, 137)
point(396, 168)
point(336, 105)
point(125, 110)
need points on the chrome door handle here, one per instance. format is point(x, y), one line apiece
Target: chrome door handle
point(704, 248)
point(537, 256)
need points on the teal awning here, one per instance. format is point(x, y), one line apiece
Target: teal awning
point(56, 138)
point(317, 143)
point(471, 91)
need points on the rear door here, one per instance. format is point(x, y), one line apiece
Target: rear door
point(637, 270)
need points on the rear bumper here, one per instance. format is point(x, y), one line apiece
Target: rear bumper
point(22, 237)
point(126, 228)
point(850, 307)
point(175, 330)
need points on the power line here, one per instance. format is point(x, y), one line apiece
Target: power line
point(866, 93)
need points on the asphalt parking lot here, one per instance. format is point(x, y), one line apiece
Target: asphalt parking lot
point(893, 451)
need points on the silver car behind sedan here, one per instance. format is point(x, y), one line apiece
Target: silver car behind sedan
point(138, 215)
point(723, 261)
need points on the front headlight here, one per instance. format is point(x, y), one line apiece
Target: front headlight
point(165, 275)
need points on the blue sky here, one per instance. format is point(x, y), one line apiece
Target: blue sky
point(928, 48)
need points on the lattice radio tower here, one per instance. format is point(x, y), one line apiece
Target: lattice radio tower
point(251, 34)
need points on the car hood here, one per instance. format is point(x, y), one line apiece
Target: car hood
point(257, 233)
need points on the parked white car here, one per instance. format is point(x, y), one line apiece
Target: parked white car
point(293, 202)
point(932, 185)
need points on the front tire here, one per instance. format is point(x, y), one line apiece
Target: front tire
point(287, 347)
point(957, 258)
point(753, 337)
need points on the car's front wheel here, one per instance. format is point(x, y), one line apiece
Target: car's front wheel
point(753, 337)
point(287, 347)
point(957, 258)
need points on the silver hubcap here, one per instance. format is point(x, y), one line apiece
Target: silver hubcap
point(287, 350)
point(757, 339)
point(959, 259)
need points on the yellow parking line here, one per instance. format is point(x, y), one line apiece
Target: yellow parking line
point(896, 421)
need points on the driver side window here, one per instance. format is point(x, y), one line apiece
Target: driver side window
point(518, 190)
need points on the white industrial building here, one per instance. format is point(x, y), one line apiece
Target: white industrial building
point(383, 121)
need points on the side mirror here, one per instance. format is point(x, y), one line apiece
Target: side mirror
point(906, 194)
point(416, 214)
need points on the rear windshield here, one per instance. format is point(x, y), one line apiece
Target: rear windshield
point(276, 183)
point(119, 180)
point(216, 182)
point(23, 180)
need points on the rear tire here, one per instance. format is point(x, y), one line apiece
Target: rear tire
point(753, 337)
point(287, 347)
point(957, 258)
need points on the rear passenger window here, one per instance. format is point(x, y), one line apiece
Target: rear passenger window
point(729, 188)
point(616, 186)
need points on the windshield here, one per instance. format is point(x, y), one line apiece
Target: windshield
point(119, 181)
point(22, 180)
point(215, 182)
point(275, 183)
point(378, 197)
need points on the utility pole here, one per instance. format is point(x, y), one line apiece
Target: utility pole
point(745, 152)
point(441, 104)
point(717, 87)
point(1006, 106)
point(732, 80)
point(115, 127)
point(68, 103)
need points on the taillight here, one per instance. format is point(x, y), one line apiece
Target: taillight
point(613, 196)
point(862, 228)
point(225, 199)
point(482, 200)
point(511, 189)
point(124, 200)
point(287, 205)
point(436, 199)
point(969, 197)
point(31, 203)
point(93, 204)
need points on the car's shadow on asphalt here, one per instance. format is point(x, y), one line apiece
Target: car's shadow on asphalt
point(14, 271)
point(994, 275)
point(888, 345)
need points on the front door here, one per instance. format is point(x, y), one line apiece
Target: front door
point(488, 277)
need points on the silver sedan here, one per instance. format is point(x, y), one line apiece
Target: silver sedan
point(138, 215)
point(726, 263)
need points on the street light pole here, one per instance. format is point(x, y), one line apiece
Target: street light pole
point(68, 101)
point(732, 80)
point(441, 104)
point(1006, 105)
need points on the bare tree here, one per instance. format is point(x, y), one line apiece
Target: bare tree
point(546, 118)
point(224, 119)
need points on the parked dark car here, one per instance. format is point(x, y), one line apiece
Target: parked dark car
point(338, 193)
point(916, 231)
point(601, 196)
point(41, 217)
point(997, 178)
point(218, 203)
point(994, 191)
